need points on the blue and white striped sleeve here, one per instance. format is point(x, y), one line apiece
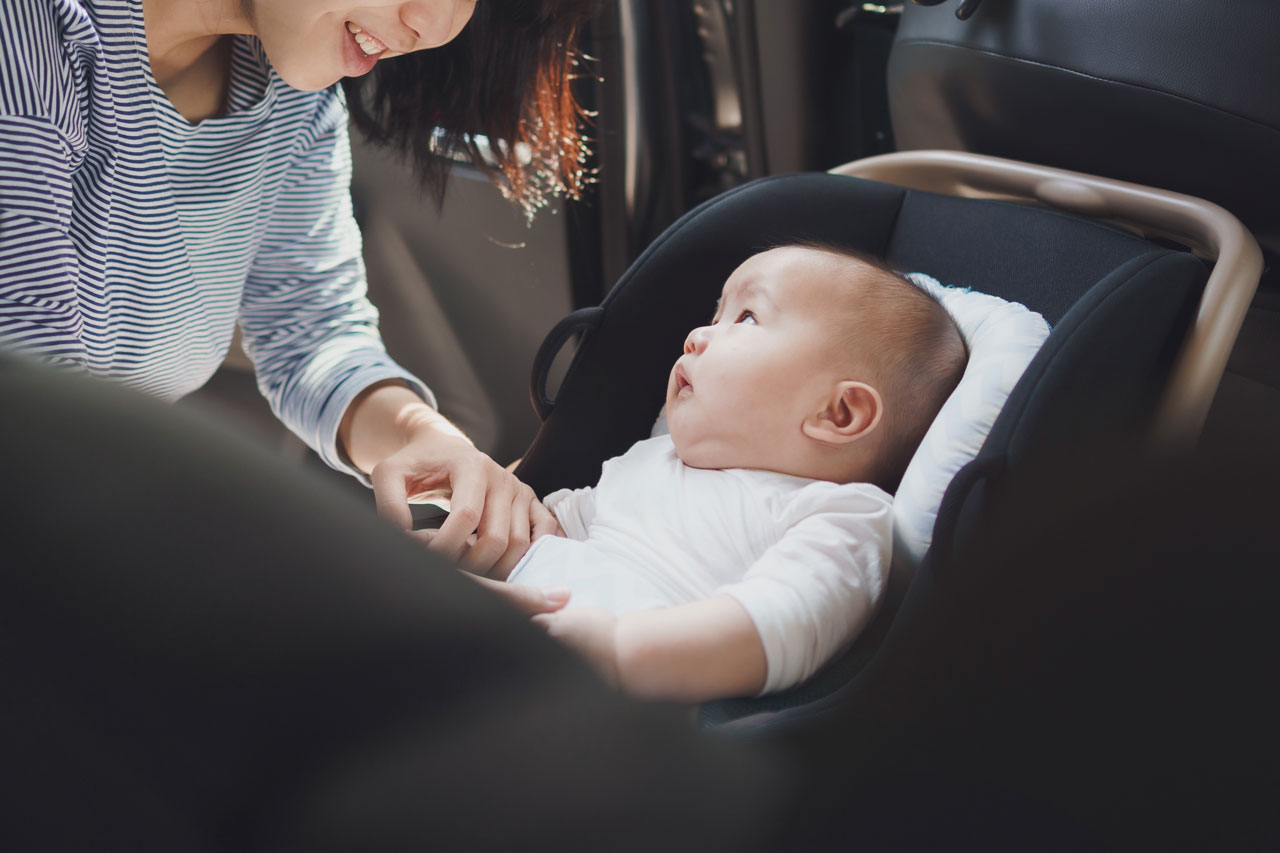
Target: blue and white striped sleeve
point(39, 269)
point(308, 326)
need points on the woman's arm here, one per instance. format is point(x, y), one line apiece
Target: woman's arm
point(42, 139)
point(39, 268)
point(308, 327)
point(695, 652)
point(313, 337)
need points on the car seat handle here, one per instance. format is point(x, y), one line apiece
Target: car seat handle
point(1202, 226)
point(581, 321)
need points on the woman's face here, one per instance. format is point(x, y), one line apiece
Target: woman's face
point(314, 43)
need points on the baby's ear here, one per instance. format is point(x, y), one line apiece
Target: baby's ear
point(851, 412)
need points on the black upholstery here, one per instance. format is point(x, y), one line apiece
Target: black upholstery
point(1088, 675)
point(1120, 305)
point(1174, 95)
point(1093, 381)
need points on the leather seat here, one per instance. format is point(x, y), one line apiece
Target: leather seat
point(1179, 96)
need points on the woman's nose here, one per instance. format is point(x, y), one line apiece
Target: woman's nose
point(696, 342)
point(436, 22)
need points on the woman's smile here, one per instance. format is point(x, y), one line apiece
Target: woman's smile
point(366, 41)
point(360, 52)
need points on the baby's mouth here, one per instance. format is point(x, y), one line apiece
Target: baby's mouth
point(682, 380)
point(368, 45)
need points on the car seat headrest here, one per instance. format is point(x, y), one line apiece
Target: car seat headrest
point(1003, 337)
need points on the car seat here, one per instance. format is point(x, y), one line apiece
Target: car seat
point(1121, 307)
point(1139, 341)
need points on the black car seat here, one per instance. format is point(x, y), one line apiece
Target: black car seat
point(1120, 305)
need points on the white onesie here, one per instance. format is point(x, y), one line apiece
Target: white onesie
point(806, 558)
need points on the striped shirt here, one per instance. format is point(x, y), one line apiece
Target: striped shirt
point(132, 242)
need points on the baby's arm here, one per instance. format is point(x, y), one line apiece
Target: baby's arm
point(692, 652)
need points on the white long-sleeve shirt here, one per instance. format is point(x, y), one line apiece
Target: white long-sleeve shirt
point(807, 559)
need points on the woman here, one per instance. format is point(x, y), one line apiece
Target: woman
point(170, 168)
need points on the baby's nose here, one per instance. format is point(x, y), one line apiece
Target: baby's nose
point(697, 340)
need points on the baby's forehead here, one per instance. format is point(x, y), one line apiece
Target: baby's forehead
point(790, 273)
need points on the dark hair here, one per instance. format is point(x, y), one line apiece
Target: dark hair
point(916, 352)
point(506, 77)
point(924, 356)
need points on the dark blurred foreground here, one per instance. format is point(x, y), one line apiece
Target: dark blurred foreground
point(1097, 671)
point(204, 649)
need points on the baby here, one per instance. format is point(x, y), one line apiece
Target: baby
point(740, 552)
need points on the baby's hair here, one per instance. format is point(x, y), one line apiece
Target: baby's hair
point(915, 355)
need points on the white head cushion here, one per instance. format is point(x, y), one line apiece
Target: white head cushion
point(1003, 337)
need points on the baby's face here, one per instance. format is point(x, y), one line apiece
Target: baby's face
point(738, 395)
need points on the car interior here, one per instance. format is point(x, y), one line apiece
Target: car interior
point(468, 291)
point(768, 88)
point(1030, 677)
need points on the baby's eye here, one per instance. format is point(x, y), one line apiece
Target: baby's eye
point(746, 317)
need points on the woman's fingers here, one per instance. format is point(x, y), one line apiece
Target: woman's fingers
point(466, 508)
point(520, 535)
point(494, 529)
point(542, 521)
point(390, 492)
point(492, 516)
point(424, 536)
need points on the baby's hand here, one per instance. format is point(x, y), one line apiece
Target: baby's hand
point(527, 599)
point(589, 631)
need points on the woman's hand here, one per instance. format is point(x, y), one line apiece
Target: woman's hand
point(409, 448)
point(503, 514)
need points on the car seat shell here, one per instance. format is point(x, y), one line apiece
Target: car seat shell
point(1075, 271)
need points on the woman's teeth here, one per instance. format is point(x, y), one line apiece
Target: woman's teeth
point(367, 43)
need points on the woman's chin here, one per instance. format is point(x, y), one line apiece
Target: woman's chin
point(306, 80)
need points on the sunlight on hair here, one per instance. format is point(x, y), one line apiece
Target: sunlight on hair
point(542, 169)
